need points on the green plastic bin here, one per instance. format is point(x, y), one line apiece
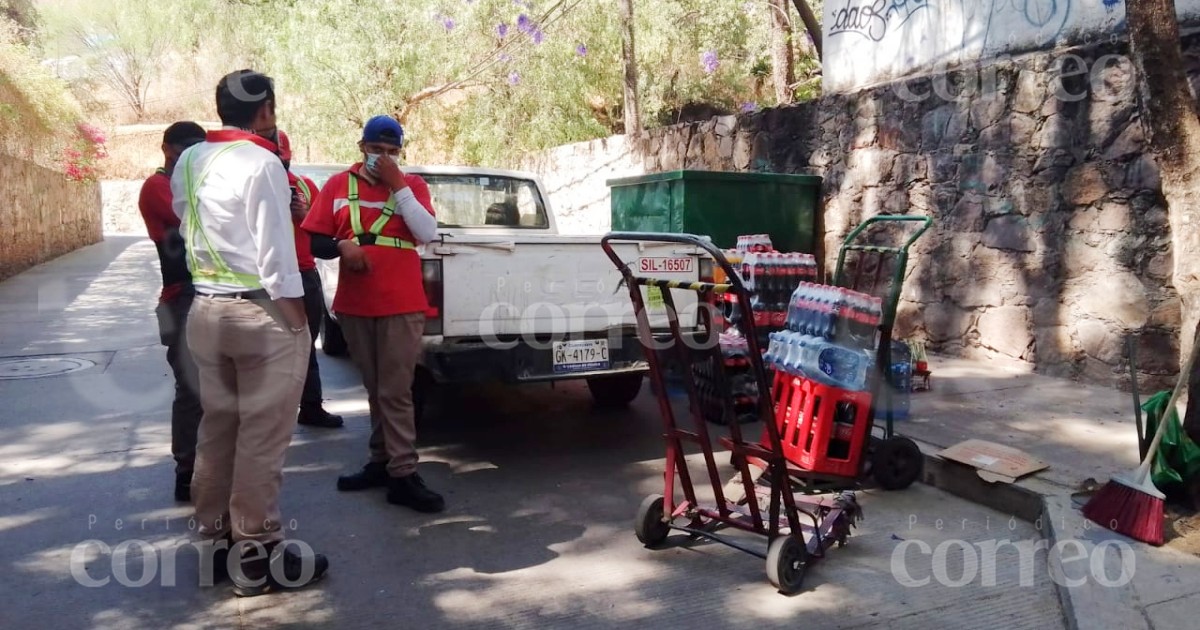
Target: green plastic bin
point(720, 205)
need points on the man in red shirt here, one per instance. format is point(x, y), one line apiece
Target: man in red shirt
point(162, 225)
point(304, 192)
point(373, 216)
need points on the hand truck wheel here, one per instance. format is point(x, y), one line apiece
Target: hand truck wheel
point(649, 525)
point(787, 559)
point(896, 463)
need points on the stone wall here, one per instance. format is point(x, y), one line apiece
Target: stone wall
point(44, 215)
point(1050, 240)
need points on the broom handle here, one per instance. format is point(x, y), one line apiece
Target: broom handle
point(1144, 470)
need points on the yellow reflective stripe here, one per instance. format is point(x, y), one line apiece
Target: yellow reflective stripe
point(223, 273)
point(389, 209)
point(304, 189)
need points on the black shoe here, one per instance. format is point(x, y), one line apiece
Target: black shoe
point(318, 417)
point(373, 475)
point(283, 568)
point(218, 571)
point(410, 491)
point(183, 487)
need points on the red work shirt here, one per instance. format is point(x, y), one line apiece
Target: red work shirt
point(162, 226)
point(303, 241)
point(393, 285)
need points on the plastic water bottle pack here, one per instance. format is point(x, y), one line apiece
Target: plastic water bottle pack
point(829, 336)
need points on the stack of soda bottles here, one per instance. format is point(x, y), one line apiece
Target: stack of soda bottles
point(828, 336)
point(771, 278)
point(741, 386)
point(823, 362)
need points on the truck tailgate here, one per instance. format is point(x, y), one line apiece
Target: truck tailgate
point(553, 285)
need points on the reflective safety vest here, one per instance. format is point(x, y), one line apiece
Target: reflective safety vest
point(219, 271)
point(373, 237)
point(303, 186)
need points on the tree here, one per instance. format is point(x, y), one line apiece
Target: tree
point(810, 23)
point(126, 44)
point(783, 69)
point(633, 117)
point(1170, 114)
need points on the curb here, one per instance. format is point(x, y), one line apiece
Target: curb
point(1050, 507)
point(1090, 605)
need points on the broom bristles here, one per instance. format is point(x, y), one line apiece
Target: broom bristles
point(1128, 511)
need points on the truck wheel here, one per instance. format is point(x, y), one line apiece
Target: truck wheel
point(332, 341)
point(615, 391)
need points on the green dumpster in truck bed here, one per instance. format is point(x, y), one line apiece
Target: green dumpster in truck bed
point(720, 205)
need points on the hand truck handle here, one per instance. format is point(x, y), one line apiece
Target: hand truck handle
point(891, 218)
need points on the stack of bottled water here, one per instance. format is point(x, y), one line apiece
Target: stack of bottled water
point(829, 336)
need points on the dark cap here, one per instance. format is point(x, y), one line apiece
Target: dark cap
point(184, 134)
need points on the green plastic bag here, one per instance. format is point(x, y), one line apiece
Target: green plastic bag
point(1178, 457)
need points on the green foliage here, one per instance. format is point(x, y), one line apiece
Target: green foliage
point(38, 117)
point(475, 81)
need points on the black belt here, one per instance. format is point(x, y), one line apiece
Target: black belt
point(257, 294)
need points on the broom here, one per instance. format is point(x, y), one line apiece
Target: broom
point(1130, 504)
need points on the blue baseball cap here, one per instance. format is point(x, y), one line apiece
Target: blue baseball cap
point(383, 129)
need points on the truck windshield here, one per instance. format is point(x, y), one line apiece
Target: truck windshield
point(486, 201)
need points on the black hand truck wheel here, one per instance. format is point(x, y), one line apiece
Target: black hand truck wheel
point(896, 463)
point(649, 526)
point(787, 559)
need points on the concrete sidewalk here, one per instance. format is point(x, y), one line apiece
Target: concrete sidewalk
point(1086, 434)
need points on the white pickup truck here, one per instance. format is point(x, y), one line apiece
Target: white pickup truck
point(513, 300)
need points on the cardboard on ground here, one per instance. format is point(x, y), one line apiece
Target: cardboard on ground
point(994, 462)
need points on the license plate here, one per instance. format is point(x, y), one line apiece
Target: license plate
point(683, 264)
point(584, 355)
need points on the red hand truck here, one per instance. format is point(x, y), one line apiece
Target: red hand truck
point(797, 530)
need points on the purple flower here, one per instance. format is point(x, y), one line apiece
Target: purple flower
point(448, 23)
point(581, 50)
point(749, 107)
point(524, 24)
point(502, 31)
point(505, 57)
point(514, 78)
point(709, 61)
point(538, 36)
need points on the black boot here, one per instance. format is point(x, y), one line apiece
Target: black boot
point(410, 491)
point(318, 417)
point(373, 475)
point(283, 568)
point(183, 487)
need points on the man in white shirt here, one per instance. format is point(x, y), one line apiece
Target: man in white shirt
point(248, 332)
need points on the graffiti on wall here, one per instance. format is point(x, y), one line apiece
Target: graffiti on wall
point(874, 20)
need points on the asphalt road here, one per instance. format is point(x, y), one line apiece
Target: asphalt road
point(541, 490)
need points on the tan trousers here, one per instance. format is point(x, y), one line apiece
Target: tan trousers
point(252, 370)
point(386, 351)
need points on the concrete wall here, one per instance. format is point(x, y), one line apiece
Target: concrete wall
point(44, 215)
point(869, 41)
point(1050, 241)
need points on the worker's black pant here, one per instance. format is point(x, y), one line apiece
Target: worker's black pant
point(314, 307)
point(185, 409)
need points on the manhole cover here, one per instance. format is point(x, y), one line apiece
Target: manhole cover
point(36, 368)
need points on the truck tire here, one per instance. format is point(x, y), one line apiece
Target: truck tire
point(612, 392)
point(333, 344)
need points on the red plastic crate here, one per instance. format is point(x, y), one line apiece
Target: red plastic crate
point(815, 436)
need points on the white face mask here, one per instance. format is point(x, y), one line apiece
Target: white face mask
point(372, 160)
